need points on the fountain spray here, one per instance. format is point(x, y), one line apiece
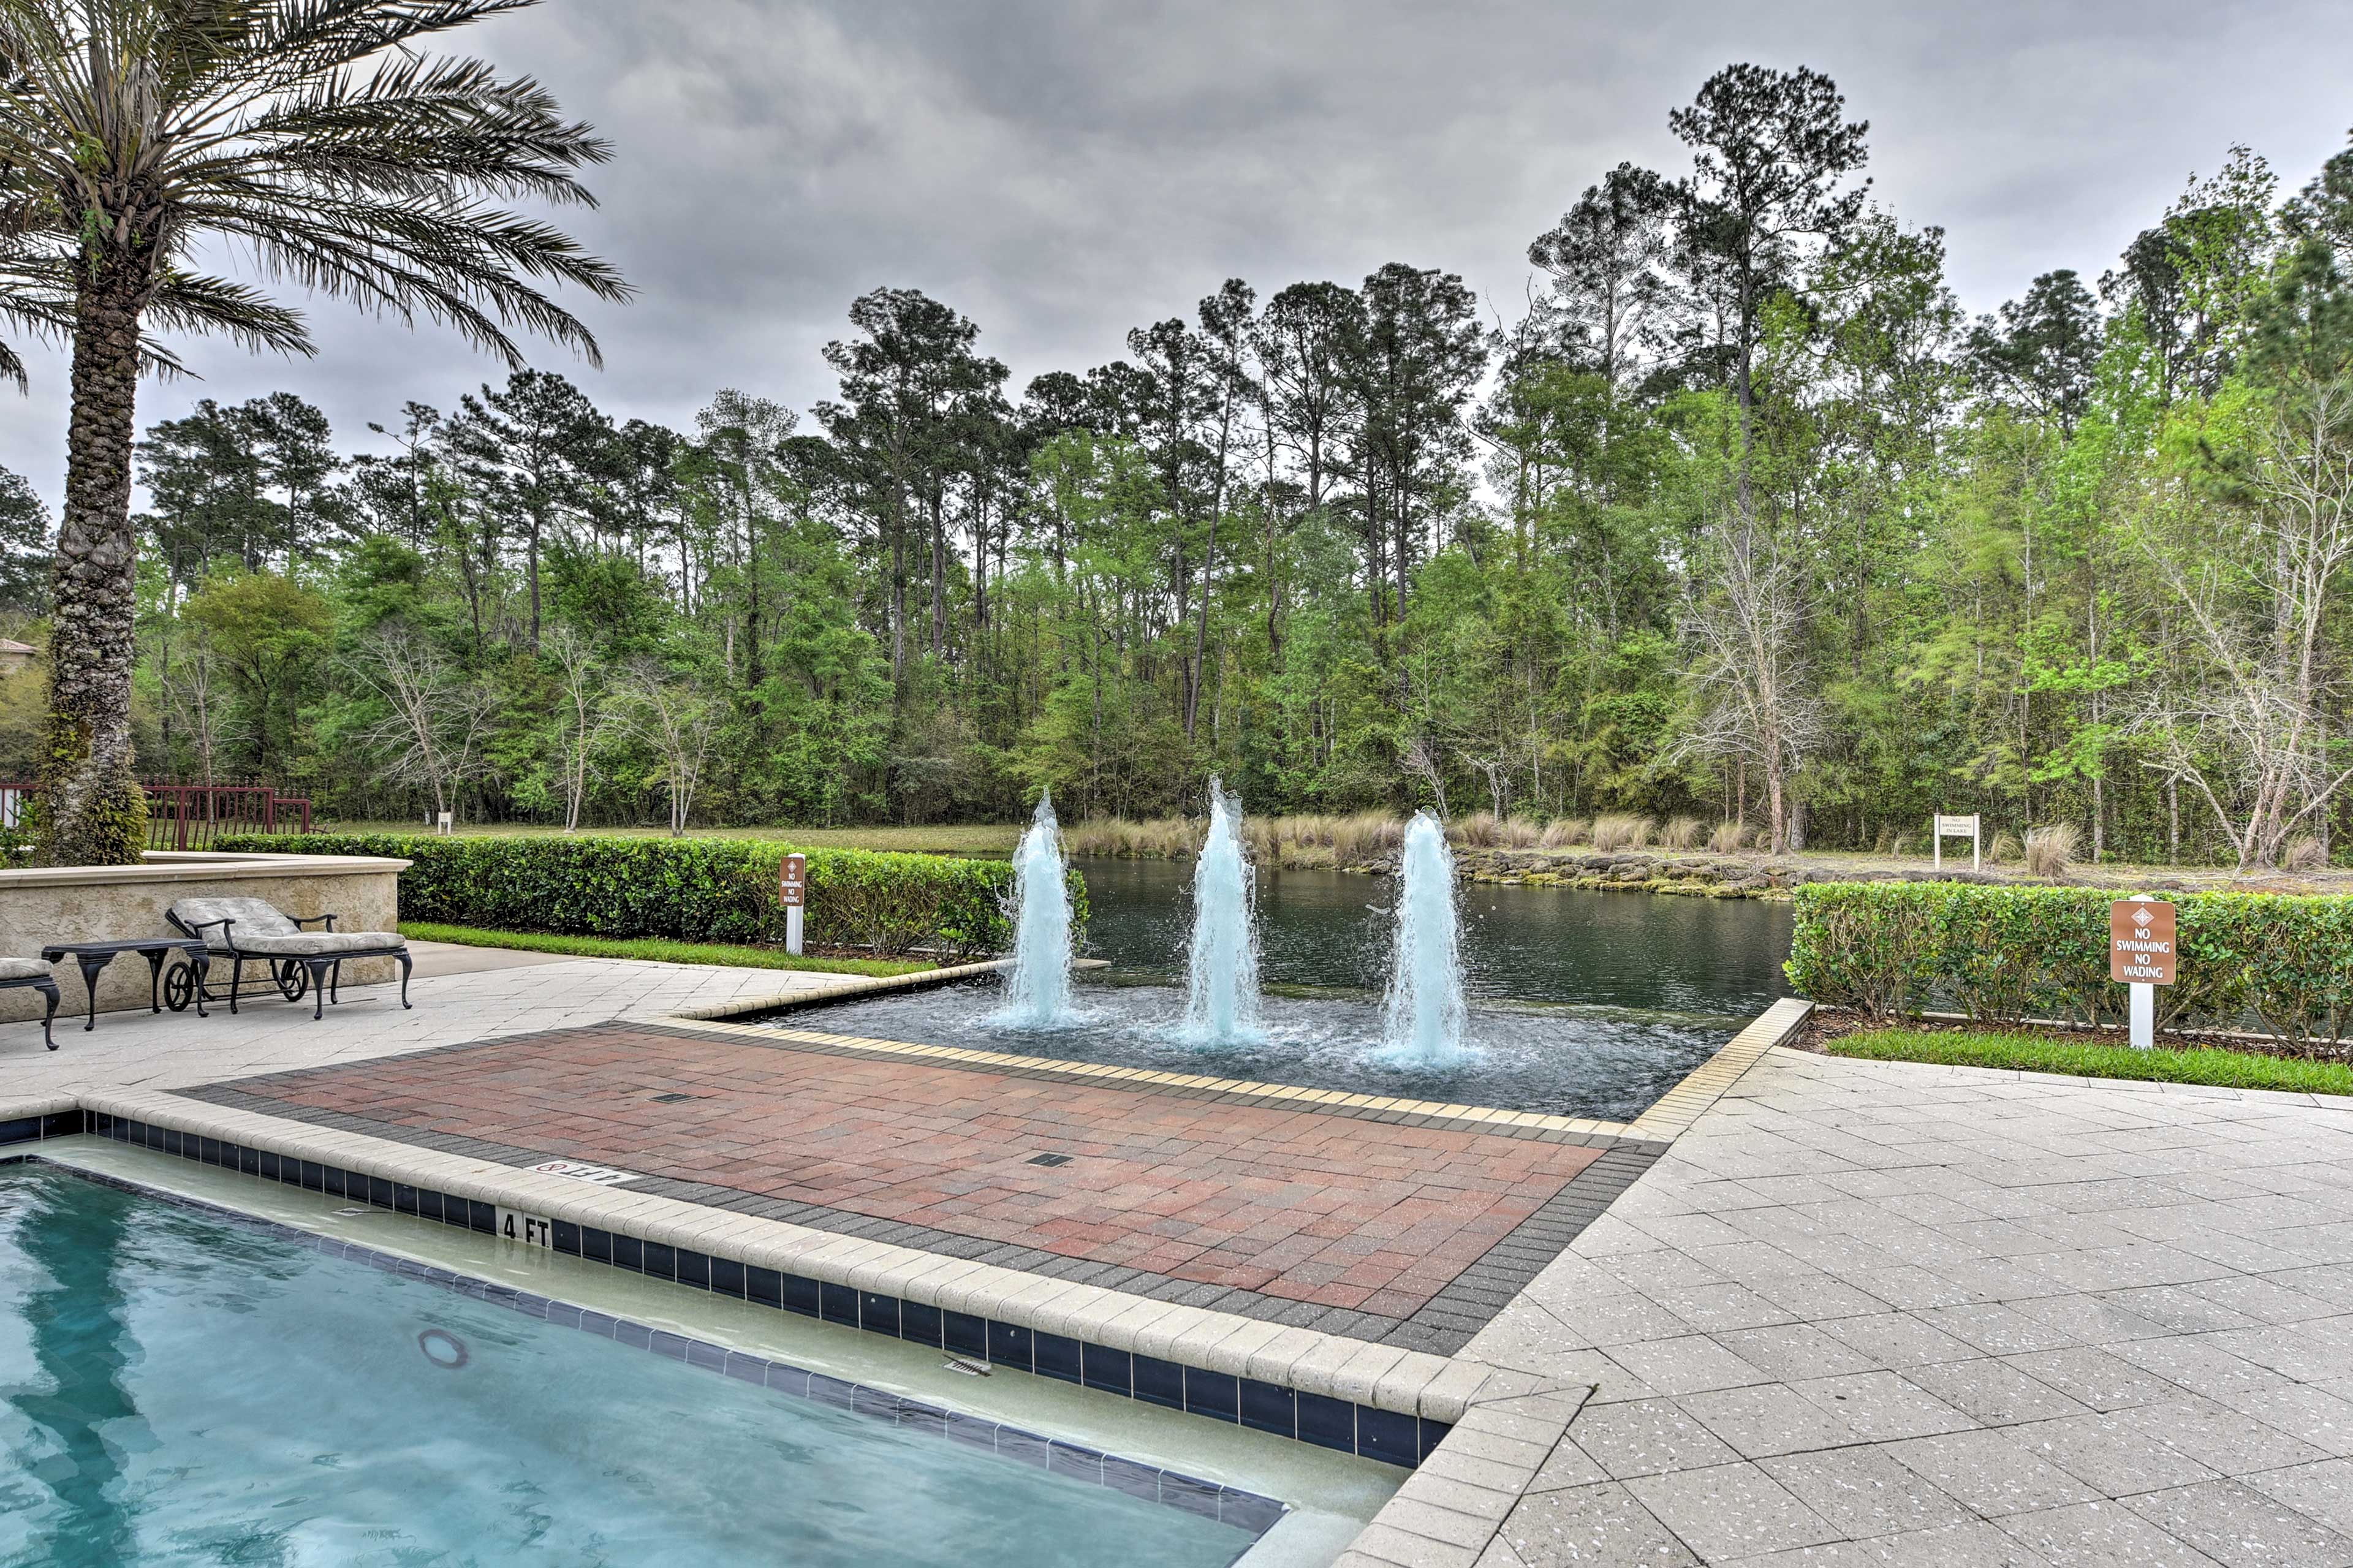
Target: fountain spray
point(1038, 996)
point(1222, 1002)
point(1423, 1012)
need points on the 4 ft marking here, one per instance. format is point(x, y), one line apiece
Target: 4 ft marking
point(526, 1229)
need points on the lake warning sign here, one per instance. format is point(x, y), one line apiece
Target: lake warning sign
point(2140, 942)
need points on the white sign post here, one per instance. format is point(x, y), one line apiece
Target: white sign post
point(1959, 828)
point(792, 885)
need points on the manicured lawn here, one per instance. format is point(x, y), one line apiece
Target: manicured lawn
point(986, 838)
point(2023, 1051)
point(656, 949)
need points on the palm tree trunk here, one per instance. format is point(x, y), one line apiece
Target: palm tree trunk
point(95, 814)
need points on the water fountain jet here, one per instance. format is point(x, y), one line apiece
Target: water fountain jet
point(1038, 996)
point(1423, 1013)
point(1221, 1000)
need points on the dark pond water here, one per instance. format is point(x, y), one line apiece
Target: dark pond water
point(1583, 1003)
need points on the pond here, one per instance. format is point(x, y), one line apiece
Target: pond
point(1583, 1003)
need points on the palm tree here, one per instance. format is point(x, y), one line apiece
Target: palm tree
point(312, 135)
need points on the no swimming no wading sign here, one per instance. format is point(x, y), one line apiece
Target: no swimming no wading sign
point(2140, 942)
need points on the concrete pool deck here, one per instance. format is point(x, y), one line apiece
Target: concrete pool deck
point(1855, 1313)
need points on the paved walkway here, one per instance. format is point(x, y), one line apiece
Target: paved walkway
point(460, 995)
point(1887, 1313)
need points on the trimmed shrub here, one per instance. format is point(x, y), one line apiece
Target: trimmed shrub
point(2004, 955)
point(688, 889)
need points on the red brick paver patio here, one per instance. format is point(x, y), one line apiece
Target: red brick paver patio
point(1301, 1205)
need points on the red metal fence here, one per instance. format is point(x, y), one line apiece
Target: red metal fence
point(191, 816)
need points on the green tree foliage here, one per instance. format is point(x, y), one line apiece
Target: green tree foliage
point(1744, 519)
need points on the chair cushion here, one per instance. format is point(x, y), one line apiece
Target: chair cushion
point(22, 969)
point(319, 943)
point(253, 917)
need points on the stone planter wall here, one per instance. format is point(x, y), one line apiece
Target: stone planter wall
point(97, 903)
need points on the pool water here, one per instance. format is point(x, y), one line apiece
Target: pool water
point(1582, 1003)
point(175, 1388)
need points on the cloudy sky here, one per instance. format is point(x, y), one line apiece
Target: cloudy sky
point(1061, 171)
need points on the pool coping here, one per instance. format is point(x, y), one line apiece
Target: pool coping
point(1249, 1511)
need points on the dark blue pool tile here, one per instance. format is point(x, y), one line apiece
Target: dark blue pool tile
point(726, 1274)
point(874, 1402)
point(693, 1268)
point(629, 1252)
point(1248, 1511)
point(568, 1238)
point(1081, 1464)
point(1008, 1345)
point(482, 1218)
point(1433, 1432)
point(1055, 1356)
point(838, 1304)
point(878, 1314)
point(971, 1431)
point(925, 1418)
point(671, 1345)
point(1327, 1422)
point(702, 1353)
point(764, 1286)
point(562, 1316)
point(659, 1261)
point(965, 1333)
point(23, 1129)
point(208, 1150)
point(1160, 1382)
point(802, 1295)
point(314, 1175)
point(266, 1166)
point(597, 1246)
point(405, 1198)
point(1024, 1447)
point(1111, 1371)
point(1267, 1407)
point(1387, 1436)
point(1127, 1476)
point(790, 1380)
point(745, 1368)
point(379, 1192)
point(248, 1159)
point(331, 1183)
point(629, 1333)
point(831, 1390)
point(1215, 1394)
point(919, 1323)
point(1194, 1497)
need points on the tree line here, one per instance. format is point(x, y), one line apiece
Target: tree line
point(1743, 515)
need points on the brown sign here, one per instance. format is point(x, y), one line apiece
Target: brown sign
point(793, 885)
point(2140, 942)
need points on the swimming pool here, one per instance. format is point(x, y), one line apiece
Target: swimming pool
point(181, 1385)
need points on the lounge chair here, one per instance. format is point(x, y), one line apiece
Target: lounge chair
point(248, 931)
point(18, 972)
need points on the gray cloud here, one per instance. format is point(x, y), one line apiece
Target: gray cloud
point(1060, 173)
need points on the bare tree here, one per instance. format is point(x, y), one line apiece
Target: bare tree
point(1747, 668)
point(680, 723)
point(580, 682)
point(2237, 707)
point(192, 686)
point(435, 719)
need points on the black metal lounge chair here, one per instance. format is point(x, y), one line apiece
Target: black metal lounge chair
point(248, 931)
point(18, 972)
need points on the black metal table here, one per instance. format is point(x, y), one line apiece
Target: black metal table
point(93, 957)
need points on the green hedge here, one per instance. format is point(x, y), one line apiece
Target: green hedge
point(2006, 954)
point(690, 889)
